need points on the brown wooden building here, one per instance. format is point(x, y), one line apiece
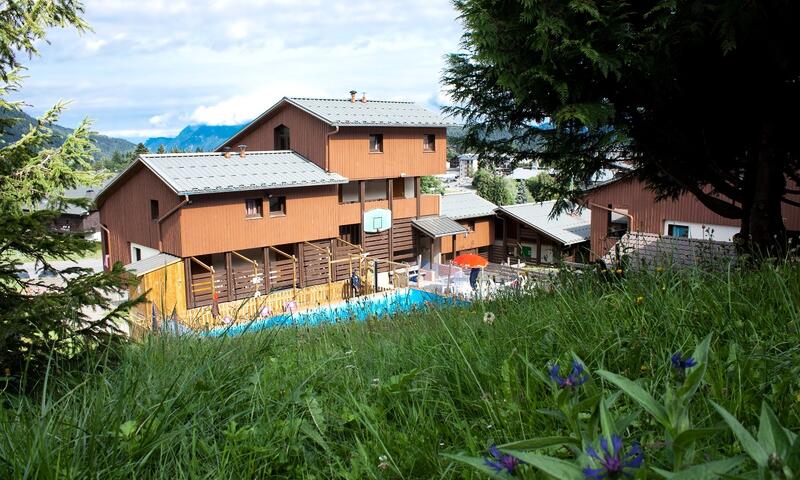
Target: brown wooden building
point(624, 204)
point(308, 181)
point(528, 233)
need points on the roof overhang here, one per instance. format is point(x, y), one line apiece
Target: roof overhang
point(151, 264)
point(438, 226)
point(539, 229)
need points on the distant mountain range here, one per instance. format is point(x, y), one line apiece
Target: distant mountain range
point(106, 145)
point(193, 137)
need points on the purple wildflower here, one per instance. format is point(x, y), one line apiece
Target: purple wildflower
point(575, 379)
point(680, 364)
point(500, 461)
point(613, 463)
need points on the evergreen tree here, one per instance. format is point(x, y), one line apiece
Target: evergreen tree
point(161, 149)
point(140, 150)
point(39, 319)
point(522, 192)
point(583, 84)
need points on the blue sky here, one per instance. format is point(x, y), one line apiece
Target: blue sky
point(153, 66)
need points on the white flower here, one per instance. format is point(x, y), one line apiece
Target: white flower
point(384, 462)
point(488, 318)
point(376, 382)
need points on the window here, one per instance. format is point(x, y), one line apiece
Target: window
point(282, 138)
point(376, 143)
point(153, 209)
point(349, 193)
point(468, 224)
point(277, 206)
point(253, 208)
point(429, 142)
point(375, 190)
point(137, 254)
point(681, 231)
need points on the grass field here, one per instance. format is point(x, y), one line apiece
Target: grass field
point(387, 398)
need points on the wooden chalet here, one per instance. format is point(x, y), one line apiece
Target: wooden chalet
point(528, 233)
point(290, 202)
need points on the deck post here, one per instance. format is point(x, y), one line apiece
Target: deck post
point(362, 194)
point(330, 270)
point(229, 277)
point(266, 270)
point(418, 194)
point(187, 269)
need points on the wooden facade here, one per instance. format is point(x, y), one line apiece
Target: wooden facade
point(402, 154)
point(126, 214)
point(647, 215)
point(308, 135)
point(478, 240)
point(217, 223)
point(520, 242)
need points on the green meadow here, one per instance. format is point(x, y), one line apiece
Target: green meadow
point(401, 397)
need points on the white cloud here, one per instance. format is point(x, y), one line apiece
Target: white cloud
point(244, 107)
point(160, 120)
point(239, 29)
point(95, 44)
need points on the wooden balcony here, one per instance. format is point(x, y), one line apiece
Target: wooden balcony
point(429, 204)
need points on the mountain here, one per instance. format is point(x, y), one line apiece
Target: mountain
point(106, 145)
point(192, 137)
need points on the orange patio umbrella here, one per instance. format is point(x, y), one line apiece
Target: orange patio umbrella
point(470, 260)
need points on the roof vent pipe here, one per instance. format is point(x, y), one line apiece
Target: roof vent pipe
point(363, 97)
point(242, 150)
point(227, 151)
point(353, 96)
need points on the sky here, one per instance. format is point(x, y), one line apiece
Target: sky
point(151, 67)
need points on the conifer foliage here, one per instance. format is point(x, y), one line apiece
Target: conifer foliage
point(700, 96)
point(43, 318)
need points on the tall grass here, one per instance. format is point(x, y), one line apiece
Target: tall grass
point(386, 398)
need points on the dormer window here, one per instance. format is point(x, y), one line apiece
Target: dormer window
point(429, 142)
point(282, 138)
point(375, 143)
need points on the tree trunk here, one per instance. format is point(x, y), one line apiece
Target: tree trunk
point(762, 227)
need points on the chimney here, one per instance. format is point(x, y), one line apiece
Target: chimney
point(353, 96)
point(242, 150)
point(227, 151)
point(363, 97)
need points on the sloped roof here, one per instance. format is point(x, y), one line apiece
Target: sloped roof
point(648, 250)
point(465, 205)
point(567, 228)
point(372, 113)
point(438, 226)
point(149, 264)
point(81, 191)
point(344, 113)
point(199, 173)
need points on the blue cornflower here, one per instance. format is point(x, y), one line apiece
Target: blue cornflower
point(612, 463)
point(576, 378)
point(681, 364)
point(500, 461)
